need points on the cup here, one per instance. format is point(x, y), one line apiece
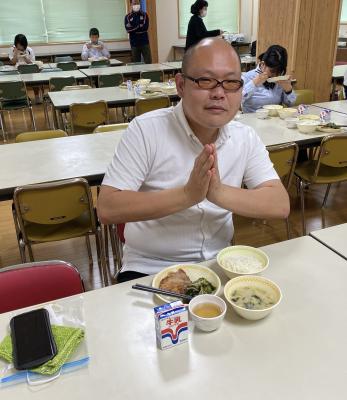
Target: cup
point(207, 324)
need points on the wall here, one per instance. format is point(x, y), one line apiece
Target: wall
point(167, 25)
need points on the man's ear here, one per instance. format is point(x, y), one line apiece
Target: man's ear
point(179, 84)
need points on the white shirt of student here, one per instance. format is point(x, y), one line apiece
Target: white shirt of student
point(29, 52)
point(94, 52)
point(157, 152)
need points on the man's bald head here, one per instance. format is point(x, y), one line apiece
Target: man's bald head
point(206, 49)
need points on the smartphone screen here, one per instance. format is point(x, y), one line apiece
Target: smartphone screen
point(32, 339)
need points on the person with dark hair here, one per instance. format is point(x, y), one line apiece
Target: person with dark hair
point(196, 27)
point(137, 24)
point(257, 91)
point(95, 48)
point(20, 52)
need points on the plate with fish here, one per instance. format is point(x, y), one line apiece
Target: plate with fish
point(190, 279)
point(331, 127)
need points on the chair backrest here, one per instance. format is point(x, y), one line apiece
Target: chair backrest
point(304, 96)
point(99, 63)
point(13, 90)
point(110, 128)
point(58, 83)
point(67, 65)
point(54, 203)
point(28, 68)
point(154, 76)
point(333, 152)
point(284, 159)
point(39, 135)
point(76, 87)
point(135, 63)
point(145, 105)
point(110, 80)
point(1, 63)
point(85, 117)
point(29, 284)
point(62, 59)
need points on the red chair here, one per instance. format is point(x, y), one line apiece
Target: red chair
point(28, 284)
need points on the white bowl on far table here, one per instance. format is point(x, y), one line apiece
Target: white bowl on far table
point(307, 126)
point(234, 259)
point(265, 285)
point(273, 109)
point(262, 113)
point(291, 122)
point(287, 113)
point(207, 324)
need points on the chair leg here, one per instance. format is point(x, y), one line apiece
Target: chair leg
point(288, 228)
point(30, 251)
point(32, 118)
point(101, 256)
point(326, 195)
point(302, 200)
point(45, 110)
point(117, 261)
point(21, 246)
point(89, 251)
point(3, 128)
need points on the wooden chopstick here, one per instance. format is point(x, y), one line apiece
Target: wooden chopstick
point(151, 289)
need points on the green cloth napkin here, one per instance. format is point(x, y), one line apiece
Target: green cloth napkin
point(67, 340)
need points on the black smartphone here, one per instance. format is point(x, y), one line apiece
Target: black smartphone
point(32, 340)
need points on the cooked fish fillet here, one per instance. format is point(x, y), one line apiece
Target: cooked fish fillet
point(176, 282)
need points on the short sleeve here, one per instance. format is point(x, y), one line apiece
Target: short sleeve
point(131, 161)
point(31, 54)
point(259, 168)
point(10, 53)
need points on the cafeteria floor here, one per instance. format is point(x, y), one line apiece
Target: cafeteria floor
point(247, 231)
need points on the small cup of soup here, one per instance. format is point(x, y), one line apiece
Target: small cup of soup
point(207, 311)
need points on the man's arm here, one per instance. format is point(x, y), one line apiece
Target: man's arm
point(129, 26)
point(145, 25)
point(115, 206)
point(268, 200)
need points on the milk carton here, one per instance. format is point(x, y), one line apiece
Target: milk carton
point(171, 324)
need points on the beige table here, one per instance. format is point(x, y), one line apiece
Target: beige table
point(339, 106)
point(335, 238)
point(10, 77)
point(127, 69)
point(86, 64)
point(273, 131)
point(53, 159)
point(44, 77)
point(298, 352)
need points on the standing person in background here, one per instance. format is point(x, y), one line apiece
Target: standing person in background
point(196, 27)
point(20, 53)
point(136, 24)
point(94, 48)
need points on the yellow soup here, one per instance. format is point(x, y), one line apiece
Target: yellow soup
point(207, 310)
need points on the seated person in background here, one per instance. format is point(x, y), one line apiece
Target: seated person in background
point(20, 52)
point(176, 175)
point(257, 92)
point(94, 48)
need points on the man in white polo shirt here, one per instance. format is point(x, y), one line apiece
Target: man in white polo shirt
point(176, 175)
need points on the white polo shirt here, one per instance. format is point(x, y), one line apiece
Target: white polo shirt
point(29, 52)
point(157, 152)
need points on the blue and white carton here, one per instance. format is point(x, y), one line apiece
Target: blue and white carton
point(171, 324)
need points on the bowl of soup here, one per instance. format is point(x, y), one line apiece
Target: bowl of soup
point(207, 311)
point(252, 297)
point(287, 113)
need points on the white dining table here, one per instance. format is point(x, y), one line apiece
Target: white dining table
point(334, 237)
point(273, 130)
point(339, 106)
point(81, 64)
point(54, 159)
point(297, 352)
point(44, 77)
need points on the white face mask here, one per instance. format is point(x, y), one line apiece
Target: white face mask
point(136, 7)
point(203, 13)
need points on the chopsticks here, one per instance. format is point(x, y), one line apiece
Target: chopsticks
point(151, 289)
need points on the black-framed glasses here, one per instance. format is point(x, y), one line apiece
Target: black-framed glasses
point(229, 85)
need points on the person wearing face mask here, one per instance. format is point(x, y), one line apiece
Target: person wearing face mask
point(196, 27)
point(257, 91)
point(136, 24)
